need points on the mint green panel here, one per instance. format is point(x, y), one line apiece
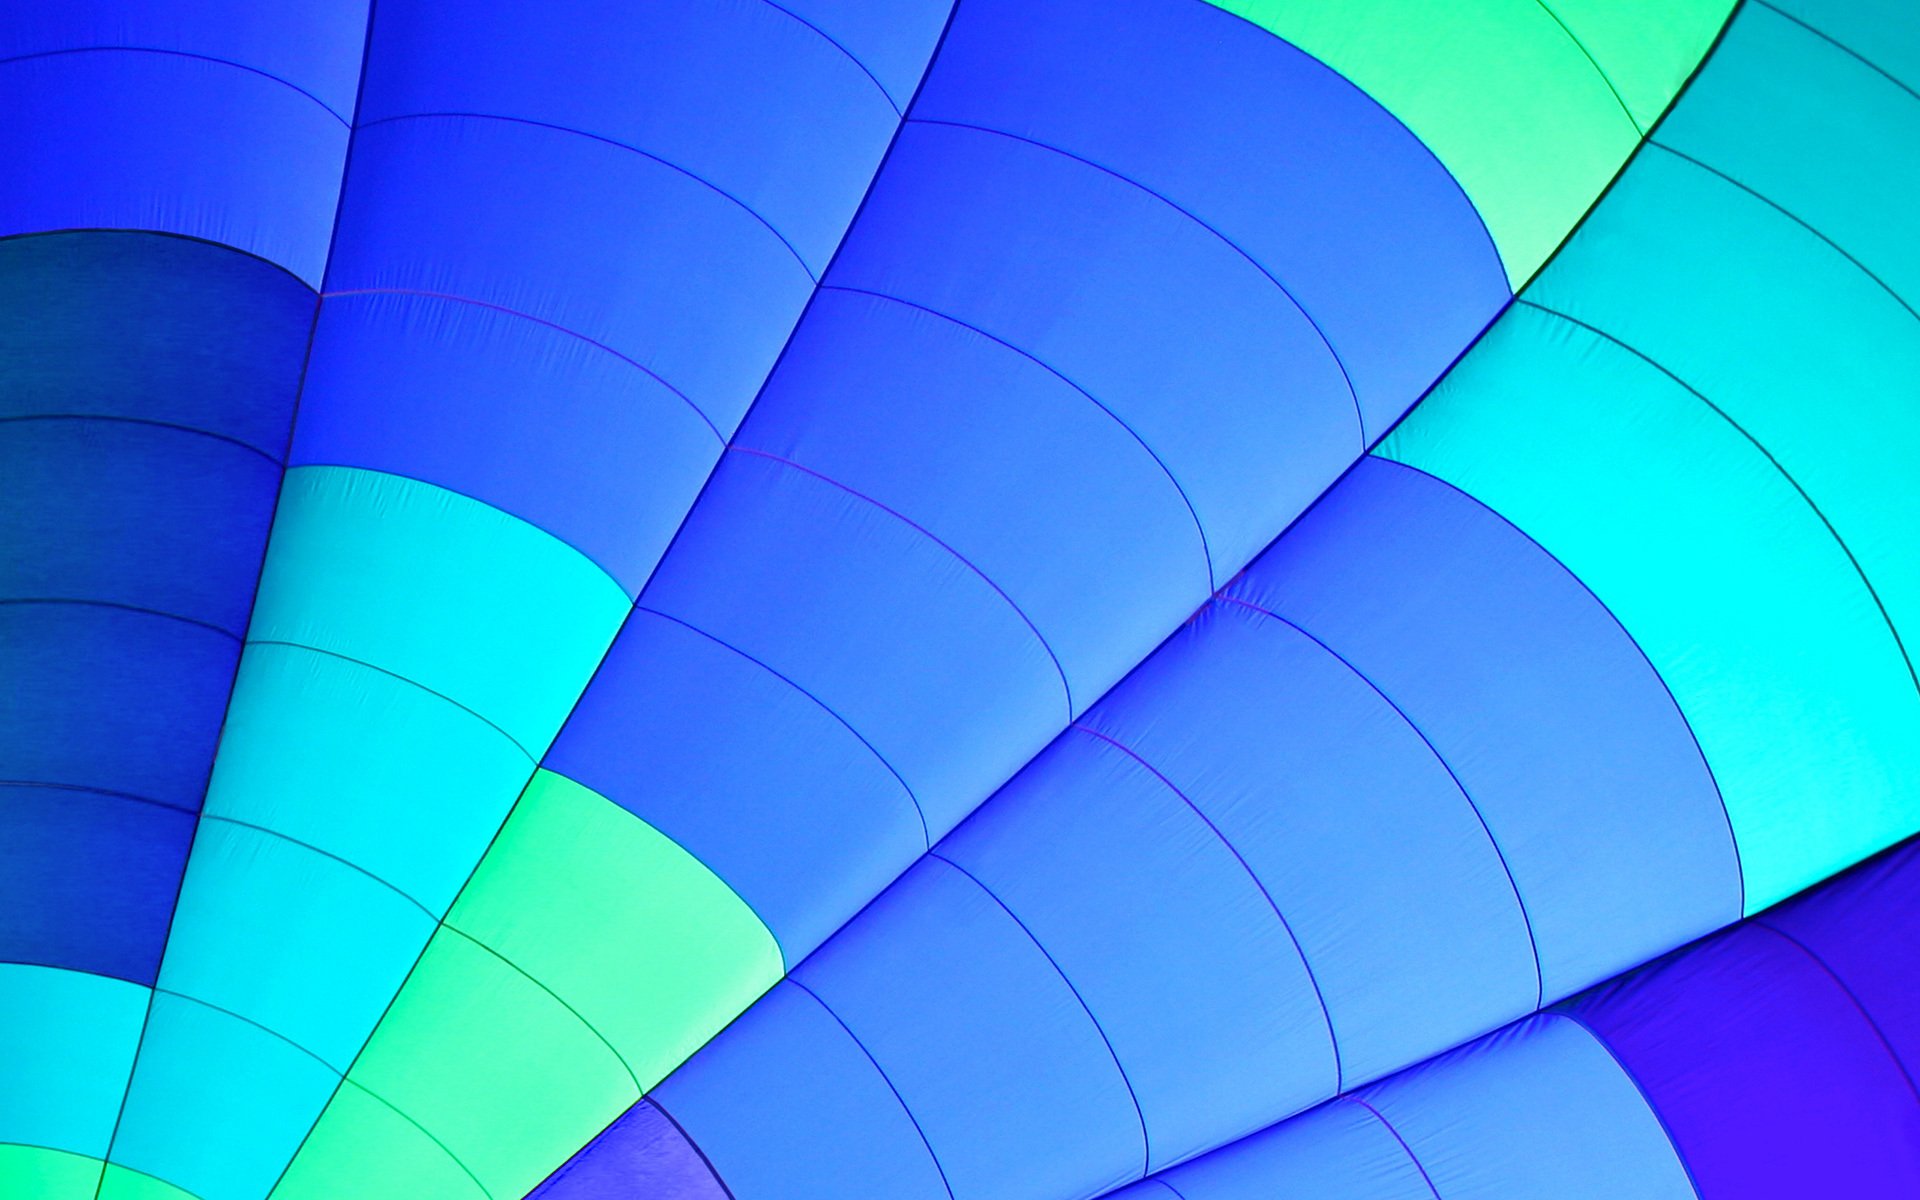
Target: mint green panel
point(1883, 31)
point(440, 589)
point(1819, 141)
point(122, 1184)
point(36, 1173)
point(366, 767)
point(290, 939)
point(1740, 596)
point(1646, 50)
point(225, 1142)
point(67, 1039)
point(408, 1165)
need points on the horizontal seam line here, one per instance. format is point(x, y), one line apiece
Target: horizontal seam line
point(131, 608)
point(1853, 998)
point(206, 58)
point(835, 43)
point(269, 1030)
point(173, 426)
point(424, 1131)
point(348, 863)
point(109, 793)
point(1824, 36)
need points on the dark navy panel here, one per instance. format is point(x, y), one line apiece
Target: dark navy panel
point(641, 1154)
point(1175, 332)
point(679, 729)
point(1100, 552)
point(788, 1105)
point(921, 654)
point(1540, 703)
point(1174, 946)
point(991, 1050)
point(87, 880)
point(891, 41)
point(1369, 848)
point(763, 109)
point(1289, 162)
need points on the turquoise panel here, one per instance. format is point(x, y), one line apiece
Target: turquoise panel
point(1882, 31)
point(67, 1042)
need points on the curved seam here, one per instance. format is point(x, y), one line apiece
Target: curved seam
point(1146, 1143)
point(1595, 64)
point(424, 1132)
point(111, 794)
point(230, 248)
point(618, 1057)
point(103, 1164)
point(1788, 213)
point(835, 43)
point(935, 539)
point(525, 753)
point(172, 425)
point(1886, 617)
point(711, 186)
point(1406, 1149)
point(327, 854)
point(1666, 1131)
point(1852, 998)
point(925, 833)
point(1842, 46)
point(654, 1103)
point(884, 1078)
point(131, 608)
point(1206, 551)
point(1733, 838)
point(269, 1030)
point(1360, 416)
point(541, 321)
point(1176, 1191)
point(207, 58)
point(1326, 1014)
point(1513, 885)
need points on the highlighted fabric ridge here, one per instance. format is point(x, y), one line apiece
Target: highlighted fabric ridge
point(1505, 94)
point(587, 958)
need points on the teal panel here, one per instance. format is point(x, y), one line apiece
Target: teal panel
point(1882, 31)
point(366, 767)
point(66, 1041)
point(224, 1143)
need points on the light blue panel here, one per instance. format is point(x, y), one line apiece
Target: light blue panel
point(1006, 1074)
point(170, 143)
point(436, 588)
point(67, 1040)
point(219, 1143)
point(1174, 946)
point(368, 768)
point(249, 897)
point(785, 1104)
point(892, 41)
point(1339, 1151)
point(875, 619)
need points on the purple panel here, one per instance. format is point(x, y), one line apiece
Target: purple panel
point(643, 1154)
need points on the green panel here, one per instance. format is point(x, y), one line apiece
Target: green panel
point(366, 767)
point(1500, 93)
point(637, 935)
point(66, 1045)
point(1739, 595)
point(437, 588)
point(36, 1173)
point(1645, 50)
point(122, 1184)
point(505, 1077)
point(366, 1150)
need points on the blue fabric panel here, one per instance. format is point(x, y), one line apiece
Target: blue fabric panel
point(641, 1154)
point(87, 880)
point(1100, 552)
point(107, 699)
point(1339, 1151)
point(170, 143)
point(769, 114)
point(890, 41)
point(1340, 204)
point(1543, 707)
point(991, 1050)
point(200, 337)
point(312, 45)
point(1177, 334)
point(512, 412)
point(608, 244)
point(684, 731)
point(1400, 901)
point(1173, 945)
point(787, 1106)
point(873, 617)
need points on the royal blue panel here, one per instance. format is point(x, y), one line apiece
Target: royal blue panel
point(788, 1105)
point(1547, 712)
point(678, 727)
point(87, 880)
point(641, 1154)
point(1339, 1151)
point(1171, 942)
point(991, 1051)
point(1340, 203)
point(890, 41)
